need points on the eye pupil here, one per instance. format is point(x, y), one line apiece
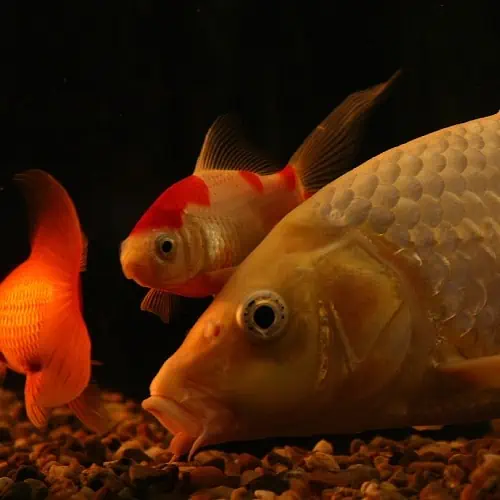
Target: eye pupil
point(264, 316)
point(166, 246)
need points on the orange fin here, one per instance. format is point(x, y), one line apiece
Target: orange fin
point(160, 303)
point(56, 235)
point(225, 148)
point(420, 428)
point(89, 409)
point(37, 414)
point(331, 148)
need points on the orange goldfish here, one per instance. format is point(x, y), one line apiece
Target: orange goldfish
point(193, 236)
point(42, 332)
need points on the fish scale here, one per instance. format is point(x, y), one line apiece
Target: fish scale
point(439, 197)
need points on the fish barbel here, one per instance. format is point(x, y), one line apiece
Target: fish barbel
point(375, 304)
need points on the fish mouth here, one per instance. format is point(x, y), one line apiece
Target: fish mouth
point(197, 420)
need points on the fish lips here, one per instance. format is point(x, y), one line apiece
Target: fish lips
point(200, 416)
point(172, 415)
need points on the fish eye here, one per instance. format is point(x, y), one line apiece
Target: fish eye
point(263, 315)
point(164, 246)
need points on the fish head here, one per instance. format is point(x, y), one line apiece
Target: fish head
point(249, 358)
point(159, 257)
point(166, 245)
point(272, 354)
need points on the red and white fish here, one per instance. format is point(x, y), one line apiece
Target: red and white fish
point(193, 236)
point(42, 332)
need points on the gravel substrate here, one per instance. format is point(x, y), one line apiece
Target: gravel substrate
point(132, 463)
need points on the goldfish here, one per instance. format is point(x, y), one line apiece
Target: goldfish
point(42, 331)
point(190, 240)
point(374, 304)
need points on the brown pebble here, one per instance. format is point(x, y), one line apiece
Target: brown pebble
point(211, 458)
point(453, 475)
point(141, 475)
point(300, 487)
point(319, 460)
point(220, 492)
point(206, 477)
point(399, 478)
point(437, 448)
point(247, 461)
point(273, 458)
point(353, 477)
point(240, 494)
point(201, 495)
point(434, 491)
point(105, 493)
point(466, 462)
point(356, 445)
point(248, 476)
point(291, 495)
point(430, 466)
point(323, 447)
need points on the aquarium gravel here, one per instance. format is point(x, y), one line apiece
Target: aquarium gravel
point(131, 462)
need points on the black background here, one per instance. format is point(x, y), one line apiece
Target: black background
point(114, 100)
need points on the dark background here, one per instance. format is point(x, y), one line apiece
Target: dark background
point(114, 100)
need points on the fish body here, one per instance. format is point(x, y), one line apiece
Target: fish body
point(42, 331)
point(198, 231)
point(226, 215)
point(381, 308)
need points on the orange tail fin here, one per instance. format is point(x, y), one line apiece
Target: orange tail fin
point(58, 247)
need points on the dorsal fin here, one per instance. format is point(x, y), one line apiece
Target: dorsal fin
point(160, 303)
point(330, 149)
point(225, 148)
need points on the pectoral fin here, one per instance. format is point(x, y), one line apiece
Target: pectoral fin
point(481, 372)
point(160, 303)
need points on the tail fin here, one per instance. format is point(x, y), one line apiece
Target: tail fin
point(330, 149)
point(55, 228)
point(58, 247)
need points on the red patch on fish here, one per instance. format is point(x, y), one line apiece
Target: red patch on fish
point(289, 177)
point(169, 207)
point(252, 179)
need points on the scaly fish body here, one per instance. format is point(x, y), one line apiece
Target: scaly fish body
point(381, 308)
point(199, 230)
point(42, 332)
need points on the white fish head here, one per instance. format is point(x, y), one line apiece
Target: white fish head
point(158, 258)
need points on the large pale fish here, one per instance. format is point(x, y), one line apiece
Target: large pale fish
point(374, 304)
point(199, 229)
